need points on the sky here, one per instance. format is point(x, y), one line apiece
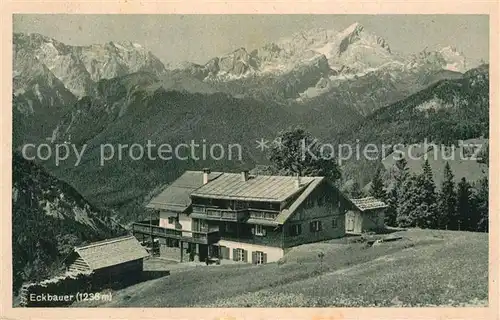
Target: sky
point(198, 38)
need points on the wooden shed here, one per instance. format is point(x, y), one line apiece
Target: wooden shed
point(366, 215)
point(108, 258)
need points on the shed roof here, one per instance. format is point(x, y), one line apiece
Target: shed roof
point(368, 203)
point(231, 186)
point(111, 252)
point(176, 196)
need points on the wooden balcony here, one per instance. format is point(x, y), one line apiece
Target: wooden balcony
point(262, 214)
point(220, 214)
point(201, 237)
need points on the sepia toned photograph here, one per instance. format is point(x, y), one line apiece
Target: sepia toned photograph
point(250, 161)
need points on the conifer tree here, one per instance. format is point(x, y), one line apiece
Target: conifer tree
point(354, 191)
point(426, 193)
point(391, 211)
point(402, 169)
point(408, 206)
point(394, 196)
point(464, 205)
point(377, 187)
point(447, 201)
point(481, 204)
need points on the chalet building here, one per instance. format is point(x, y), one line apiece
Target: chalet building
point(108, 259)
point(242, 217)
point(366, 215)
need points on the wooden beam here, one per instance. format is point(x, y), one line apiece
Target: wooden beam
point(182, 249)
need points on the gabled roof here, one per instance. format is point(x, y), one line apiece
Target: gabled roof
point(368, 203)
point(176, 196)
point(288, 212)
point(111, 252)
point(230, 186)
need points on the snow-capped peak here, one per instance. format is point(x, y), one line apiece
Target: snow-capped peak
point(80, 67)
point(454, 60)
point(354, 28)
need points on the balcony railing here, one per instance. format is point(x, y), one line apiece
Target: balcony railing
point(221, 214)
point(262, 214)
point(208, 237)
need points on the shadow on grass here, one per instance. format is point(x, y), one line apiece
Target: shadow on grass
point(133, 279)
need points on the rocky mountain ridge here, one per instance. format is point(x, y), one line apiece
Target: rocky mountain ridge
point(80, 67)
point(313, 62)
point(294, 69)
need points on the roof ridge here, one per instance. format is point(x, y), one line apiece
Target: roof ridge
point(106, 241)
point(369, 197)
point(215, 178)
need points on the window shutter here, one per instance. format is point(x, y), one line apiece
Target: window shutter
point(264, 231)
point(299, 229)
point(235, 255)
point(265, 257)
point(245, 255)
point(311, 226)
point(254, 257)
point(320, 226)
point(253, 230)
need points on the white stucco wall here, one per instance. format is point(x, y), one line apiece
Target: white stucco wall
point(185, 222)
point(273, 254)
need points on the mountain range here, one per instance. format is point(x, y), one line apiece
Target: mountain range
point(318, 61)
point(336, 84)
point(293, 70)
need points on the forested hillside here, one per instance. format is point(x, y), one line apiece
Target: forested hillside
point(444, 113)
point(49, 218)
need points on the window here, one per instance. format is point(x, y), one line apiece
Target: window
point(334, 223)
point(171, 220)
point(295, 229)
point(315, 226)
point(240, 255)
point(259, 257)
point(259, 230)
point(257, 214)
point(223, 252)
point(350, 224)
point(241, 205)
point(202, 225)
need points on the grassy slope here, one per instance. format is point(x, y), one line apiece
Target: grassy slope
point(425, 268)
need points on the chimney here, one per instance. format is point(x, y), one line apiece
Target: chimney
point(297, 181)
point(206, 172)
point(244, 175)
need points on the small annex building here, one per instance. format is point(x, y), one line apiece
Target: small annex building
point(366, 215)
point(109, 258)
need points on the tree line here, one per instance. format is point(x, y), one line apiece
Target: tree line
point(414, 201)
